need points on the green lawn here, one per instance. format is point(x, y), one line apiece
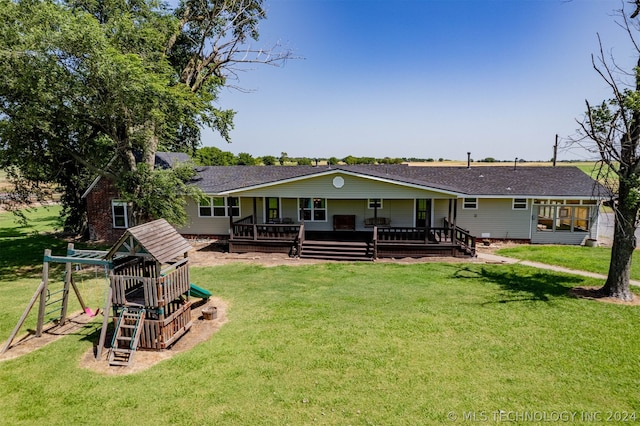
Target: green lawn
point(353, 344)
point(592, 259)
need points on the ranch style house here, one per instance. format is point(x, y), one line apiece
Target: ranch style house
point(360, 212)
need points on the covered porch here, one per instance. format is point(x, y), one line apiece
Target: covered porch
point(296, 239)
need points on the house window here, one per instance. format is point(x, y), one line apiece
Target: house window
point(563, 218)
point(313, 209)
point(120, 214)
point(580, 219)
point(218, 207)
point(520, 204)
point(374, 203)
point(470, 203)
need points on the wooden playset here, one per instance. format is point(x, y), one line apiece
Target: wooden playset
point(148, 295)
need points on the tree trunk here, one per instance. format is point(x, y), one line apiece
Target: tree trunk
point(624, 243)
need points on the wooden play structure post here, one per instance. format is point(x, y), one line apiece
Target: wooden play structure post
point(149, 290)
point(43, 294)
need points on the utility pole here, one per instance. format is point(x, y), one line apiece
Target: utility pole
point(555, 151)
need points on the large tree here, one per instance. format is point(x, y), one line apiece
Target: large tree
point(98, 87)
point(612, 130)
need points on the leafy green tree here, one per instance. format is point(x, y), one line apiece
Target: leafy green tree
point(284, 157)
point(612, 130)
point(388, 160)
point(213, 156)
point(145, 187)
point(304, 161)
point(245, 159)
point(333, 161)
point(92, 88)
point(350, 160)
point(269, 160)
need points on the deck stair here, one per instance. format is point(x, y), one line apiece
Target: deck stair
point(353, 251)
point(126, 336)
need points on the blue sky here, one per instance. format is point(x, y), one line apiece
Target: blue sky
point(423, 78)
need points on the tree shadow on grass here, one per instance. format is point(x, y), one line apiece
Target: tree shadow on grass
point(522, 284)
point(21, 257)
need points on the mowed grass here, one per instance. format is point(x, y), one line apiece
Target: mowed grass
point(22, 246)
point(592, 259)
point(355, 344)
point(342, 343)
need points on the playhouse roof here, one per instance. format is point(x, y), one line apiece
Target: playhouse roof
point(157, 239)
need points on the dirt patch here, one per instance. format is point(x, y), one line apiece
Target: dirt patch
point(79, 323)
point(593, 293)
point(201, 330)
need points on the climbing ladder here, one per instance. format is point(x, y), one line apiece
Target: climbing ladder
point(54, 304)
point(126, 336)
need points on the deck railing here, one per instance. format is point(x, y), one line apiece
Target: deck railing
point(412, 235)
point(245, 229)
point(423, 236)
point(462, 236)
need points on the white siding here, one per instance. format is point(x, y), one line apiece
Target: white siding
point(496, 218)
point(216, 225)
point(440, 212)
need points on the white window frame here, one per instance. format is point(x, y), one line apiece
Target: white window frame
point(470, 205)
point(217, 210)
point(520, 204)
point(312, 209)
point(119, 203)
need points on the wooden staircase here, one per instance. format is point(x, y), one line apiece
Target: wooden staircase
point(353, 251)
point(126, 336)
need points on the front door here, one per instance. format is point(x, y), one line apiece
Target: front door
point(272, 206)
point(423, 212)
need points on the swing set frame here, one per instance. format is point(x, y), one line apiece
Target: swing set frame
point(86, 257)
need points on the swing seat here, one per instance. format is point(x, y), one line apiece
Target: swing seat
point(89, 312)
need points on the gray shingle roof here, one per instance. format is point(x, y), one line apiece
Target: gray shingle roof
point(167, 160)
point(562, 181)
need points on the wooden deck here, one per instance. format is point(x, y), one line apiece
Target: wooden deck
point(380, 242)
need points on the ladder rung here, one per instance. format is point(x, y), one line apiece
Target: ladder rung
point(54, 301)
point(123, 338)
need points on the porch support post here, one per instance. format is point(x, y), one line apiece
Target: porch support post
point(455, 216)
point(255, 210)
point(301, 212)
point(230, 211)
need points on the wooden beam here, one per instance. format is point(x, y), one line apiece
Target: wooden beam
point(23, 317)
point(43, 292)
point(105, 324)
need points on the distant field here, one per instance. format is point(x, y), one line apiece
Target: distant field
point(587, 166)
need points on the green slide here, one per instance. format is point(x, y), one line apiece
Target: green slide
point(199, 292)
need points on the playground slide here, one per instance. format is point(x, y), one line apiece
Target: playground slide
point(199, 292)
